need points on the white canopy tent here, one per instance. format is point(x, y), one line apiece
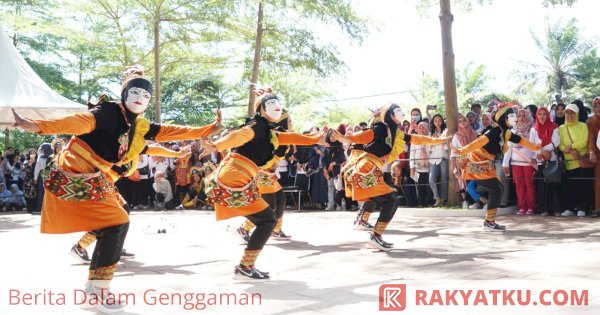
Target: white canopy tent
point(22, 89)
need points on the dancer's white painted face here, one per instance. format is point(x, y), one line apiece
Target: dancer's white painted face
point(273, 109)
point(398, 115)
point(511, 120)
point(137, 100)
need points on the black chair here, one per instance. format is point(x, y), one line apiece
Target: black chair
point(301, 186)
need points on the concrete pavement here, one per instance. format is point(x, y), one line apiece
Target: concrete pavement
point(325, 269)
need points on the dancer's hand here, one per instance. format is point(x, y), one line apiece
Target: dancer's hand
point(25, 123)
point(323, 137)
point(208, 147)
point(185, 151)
point(454, 149)
point(218, 118)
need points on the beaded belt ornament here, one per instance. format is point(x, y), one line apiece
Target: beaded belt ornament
point(75, 187)
point(364, 180)
point(218, 193)
point(266, 179)
point(475, 168)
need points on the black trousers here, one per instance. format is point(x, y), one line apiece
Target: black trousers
point(547, 194)
point(388, 206)
point(265, 222)
point(578, 188)
point(493, 187)
point(424, 192)
point(109, 245)
point(277, 201)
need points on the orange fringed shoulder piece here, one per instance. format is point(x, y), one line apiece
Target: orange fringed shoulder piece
point(288, 138)
point(474, 146)
point(76, 124)
point(362, 137)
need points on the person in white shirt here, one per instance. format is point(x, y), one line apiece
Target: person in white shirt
point(142, 187)
point(545, 133)
point(419, 166)
point(438, 162)
point(164, 194)
point(523, 164)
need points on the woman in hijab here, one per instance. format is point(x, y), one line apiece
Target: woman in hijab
point(486, 122)
point(560, 114)
point(44, 153)
point(419, 163)
point(521, 160)
point(583, 114)
point(29, 188)
point(545, 133)
point(462, 138)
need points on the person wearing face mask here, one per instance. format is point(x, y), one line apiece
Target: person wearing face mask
point(79, 182)
point(415, 118)
point(270, 189)
point(232, 186)
point(384, 142)
point(476, 160)
point(559, 118)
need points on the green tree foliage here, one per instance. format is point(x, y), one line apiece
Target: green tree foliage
point(290, 39)
point(194, 102)
point(21, 140)
point(429, 91)
point(587, 76)
point(561, 48)
point(471, 86)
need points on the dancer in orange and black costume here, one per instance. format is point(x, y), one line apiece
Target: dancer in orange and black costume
point(232, 187)
point(269, 187)
point(80, 193)
point(476, 160)
point(384, 142)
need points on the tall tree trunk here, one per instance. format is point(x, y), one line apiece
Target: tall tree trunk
point(256, 62)
point(446, 19)
point(157, 67)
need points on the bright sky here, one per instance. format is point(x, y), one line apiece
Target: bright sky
point(496, 35)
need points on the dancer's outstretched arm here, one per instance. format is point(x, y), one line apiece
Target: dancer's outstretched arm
point(156, 150)
point(166, 132)
point(75, 124)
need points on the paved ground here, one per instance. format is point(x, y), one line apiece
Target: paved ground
point(325, 269)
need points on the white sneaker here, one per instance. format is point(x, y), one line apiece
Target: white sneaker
point(567, 213)
point(476, 205)
point(581, 214)
point(465, 205)
point(180, 207)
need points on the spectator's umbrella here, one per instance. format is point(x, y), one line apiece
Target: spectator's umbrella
point(22, 89)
